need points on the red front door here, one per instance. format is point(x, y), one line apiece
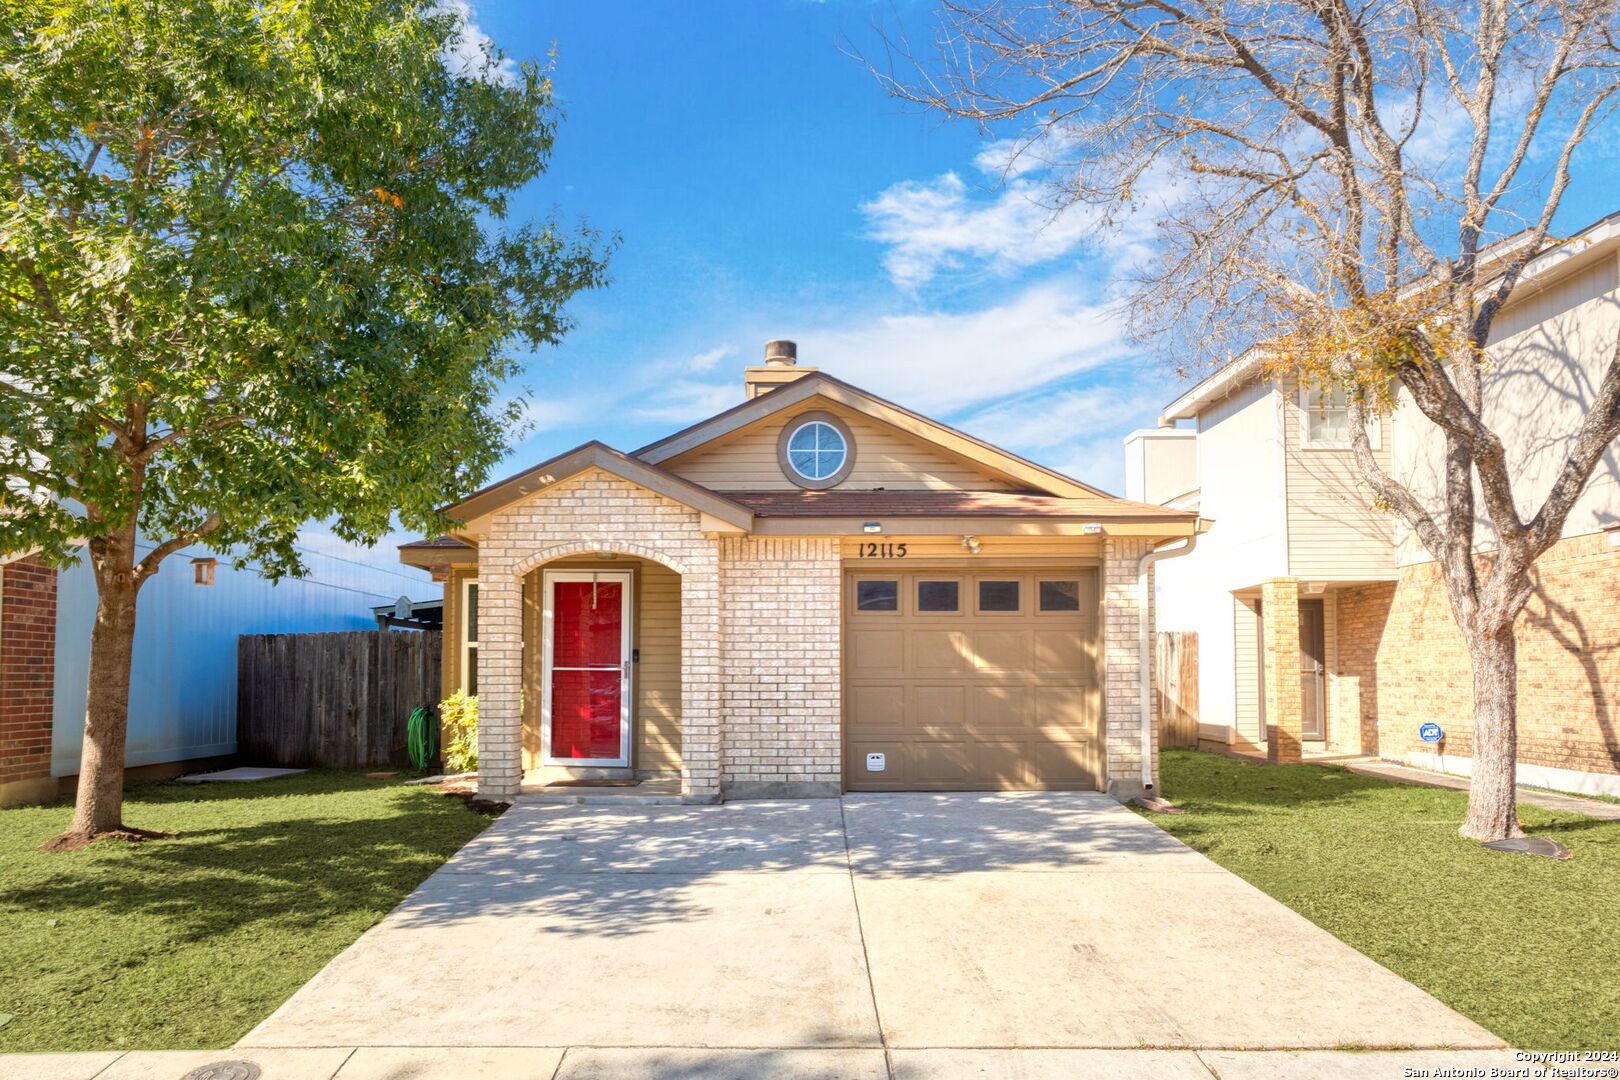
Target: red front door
point(586, 671)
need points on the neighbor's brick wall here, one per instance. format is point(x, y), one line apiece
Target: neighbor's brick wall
point(780, 621)
point(1403, 657)
point(1122, 693)
point(27, 669)
point(595, 511)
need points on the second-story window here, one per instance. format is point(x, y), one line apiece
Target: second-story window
point(1325, 419)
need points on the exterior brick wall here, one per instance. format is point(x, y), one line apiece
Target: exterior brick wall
point(1122, 670)
point(27, 669)
point(1279, 642)
point(595, 511)
point(780, 620)
point(1404, 659)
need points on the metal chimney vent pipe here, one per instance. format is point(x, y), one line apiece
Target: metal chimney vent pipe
point(781, 353)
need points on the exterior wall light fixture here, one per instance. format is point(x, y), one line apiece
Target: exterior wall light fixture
point(971, 543)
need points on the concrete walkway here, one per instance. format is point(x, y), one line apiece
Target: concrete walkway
point(685, 1063)
point(1547, 800)
point(1025, 935)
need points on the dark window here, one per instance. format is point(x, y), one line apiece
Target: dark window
point(877, 596)
point(1060, 596)
point(938, 596)
point(472, 611)
point(472, 672)
point(998, 596)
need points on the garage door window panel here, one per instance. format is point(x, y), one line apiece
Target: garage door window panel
point(877, 595)
point(939, 596)
point(1059, 595)
point(999, 595)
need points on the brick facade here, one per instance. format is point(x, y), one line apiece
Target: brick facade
point(595, 511)
point(1402, 663)
point(761, 640)
point(27, 678)
point(780, 617)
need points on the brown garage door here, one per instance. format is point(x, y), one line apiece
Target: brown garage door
point(971, 680)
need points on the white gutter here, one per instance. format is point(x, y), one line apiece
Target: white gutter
point(1144, 645)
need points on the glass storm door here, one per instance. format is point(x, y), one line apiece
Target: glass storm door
point(585, 676)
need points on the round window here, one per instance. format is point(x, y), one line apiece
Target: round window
point(817, 451)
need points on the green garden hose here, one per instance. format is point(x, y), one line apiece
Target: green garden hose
point(421, 737)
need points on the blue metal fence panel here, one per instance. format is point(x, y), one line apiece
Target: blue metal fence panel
point(183, 688)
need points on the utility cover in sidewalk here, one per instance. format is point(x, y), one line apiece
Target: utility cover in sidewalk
point(225, 1070)
point(1532, 845)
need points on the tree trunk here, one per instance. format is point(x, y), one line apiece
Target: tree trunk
point(98, 811)
point(1493, 794)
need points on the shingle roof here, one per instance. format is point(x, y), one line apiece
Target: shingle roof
point(438, 542)
point(944, 504)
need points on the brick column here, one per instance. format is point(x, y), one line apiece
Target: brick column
point(500, 678)
point(1285, 705)
point(1122, 616)
point(27, 681)
point(701, 675)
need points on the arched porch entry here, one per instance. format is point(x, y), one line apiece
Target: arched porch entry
point(604, 672)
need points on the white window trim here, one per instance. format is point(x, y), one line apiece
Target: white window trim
point(468, 644)
point(1375, 426)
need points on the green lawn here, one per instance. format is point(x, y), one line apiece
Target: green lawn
point(189, 942)
point(1527, 947)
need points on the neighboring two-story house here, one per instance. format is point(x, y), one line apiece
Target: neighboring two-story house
point(1302, 569)
point(815, 591)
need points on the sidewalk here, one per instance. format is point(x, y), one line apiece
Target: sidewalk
point(685, 1063)
point(1547, 800)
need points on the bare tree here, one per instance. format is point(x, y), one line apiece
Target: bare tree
point(1358, 184)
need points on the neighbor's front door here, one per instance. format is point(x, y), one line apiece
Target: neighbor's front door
point(585, 669)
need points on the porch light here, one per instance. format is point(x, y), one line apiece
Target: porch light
point(202, 571)
point(971, 543)
point(872, 527)
point(1091, 528)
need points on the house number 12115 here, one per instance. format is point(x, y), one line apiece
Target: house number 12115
point(883, 551)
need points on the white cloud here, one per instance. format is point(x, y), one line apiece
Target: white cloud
point(1078, 431)
point(686, 401)
point(471, 53)
point(705, 361)
point(544, 412)
point(942, 362)
point(940, 225)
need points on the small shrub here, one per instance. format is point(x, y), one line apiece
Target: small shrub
point(458, 717)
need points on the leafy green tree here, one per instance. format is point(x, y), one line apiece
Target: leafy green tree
point(255, 270)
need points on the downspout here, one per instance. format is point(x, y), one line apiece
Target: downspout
point(1144, 645)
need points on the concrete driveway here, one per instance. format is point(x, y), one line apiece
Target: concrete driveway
point(902, 924)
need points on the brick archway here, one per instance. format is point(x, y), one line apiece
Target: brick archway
point(588, 547)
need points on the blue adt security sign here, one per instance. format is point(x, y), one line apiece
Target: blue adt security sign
point(1431, 733)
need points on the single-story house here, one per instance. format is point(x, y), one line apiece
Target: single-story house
point(814, 591)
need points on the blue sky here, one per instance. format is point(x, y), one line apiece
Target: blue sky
point(765, 186)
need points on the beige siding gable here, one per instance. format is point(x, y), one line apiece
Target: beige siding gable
point(885, 457)
point(1335, 533)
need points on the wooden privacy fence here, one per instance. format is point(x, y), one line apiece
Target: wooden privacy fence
point(1175, 685)
point(336, 701)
